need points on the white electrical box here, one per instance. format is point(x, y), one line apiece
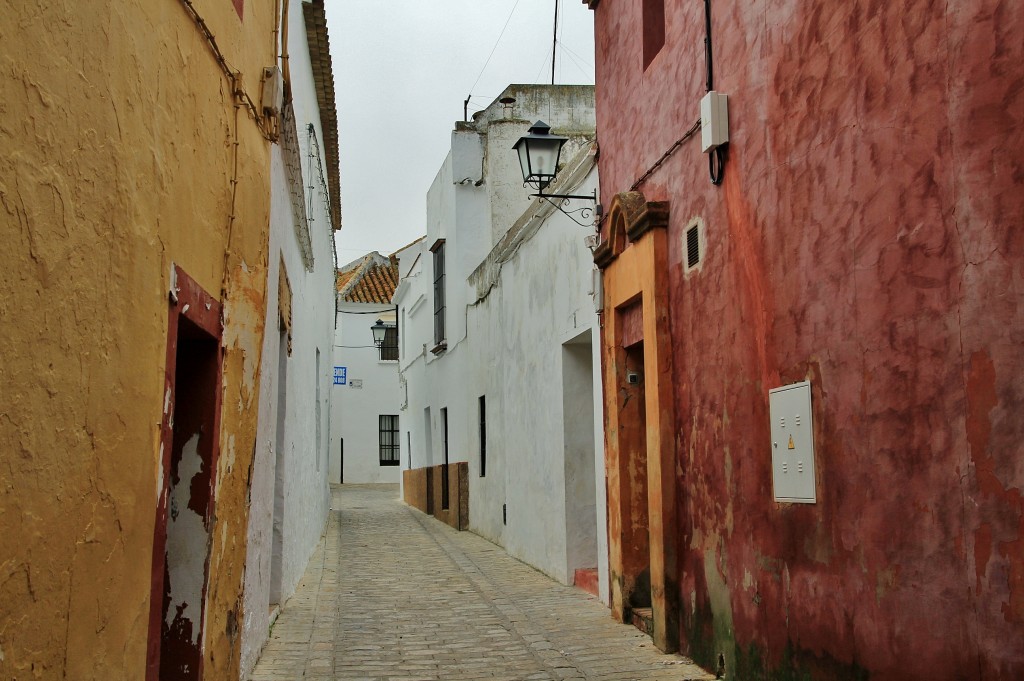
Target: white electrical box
point(792, 443)
point(714, 120)
point(273, 90)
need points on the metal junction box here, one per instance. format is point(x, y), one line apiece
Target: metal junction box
point(792, 443)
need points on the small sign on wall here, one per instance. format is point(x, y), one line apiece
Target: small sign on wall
point(356, 383)
point(340, 375)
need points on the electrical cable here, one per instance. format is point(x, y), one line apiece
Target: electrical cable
point(664, 157)
point(480, 75)
point(233, 76)
point(716, 157)
point(541, 69)
point(566, 48)
point(716, 164)
point(387, 309)
point(708, 68)
point(579, 64)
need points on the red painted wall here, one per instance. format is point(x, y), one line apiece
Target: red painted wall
point(869, 236)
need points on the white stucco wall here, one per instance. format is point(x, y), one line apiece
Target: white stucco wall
point(299, 483)
point(416, 319)
point(522, 328)
point(371, 389)
point(527, 333)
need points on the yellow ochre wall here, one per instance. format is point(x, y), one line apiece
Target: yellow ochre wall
point(117, 131)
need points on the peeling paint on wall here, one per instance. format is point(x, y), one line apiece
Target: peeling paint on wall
point(187, 542)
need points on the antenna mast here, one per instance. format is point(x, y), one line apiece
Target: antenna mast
point(554, 44)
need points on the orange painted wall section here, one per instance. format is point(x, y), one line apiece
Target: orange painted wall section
point(639, 431)
point(119, 133)
point(867, 237)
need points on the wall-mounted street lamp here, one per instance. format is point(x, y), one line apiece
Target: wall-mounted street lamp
point(379, 330)
point(386, 343)
point(539, 153)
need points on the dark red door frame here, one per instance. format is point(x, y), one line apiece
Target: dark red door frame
point(188, 300)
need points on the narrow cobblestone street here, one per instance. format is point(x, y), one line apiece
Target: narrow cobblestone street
point(393, 595)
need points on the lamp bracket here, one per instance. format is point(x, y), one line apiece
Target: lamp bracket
point(591, 213)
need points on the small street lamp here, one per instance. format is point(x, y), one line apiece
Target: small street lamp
point(379, 330)
point(539, 153)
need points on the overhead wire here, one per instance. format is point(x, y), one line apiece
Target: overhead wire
point(488, 61)
point(389, 308)
point(543, 66)
point(577, 63)
point(582, 59)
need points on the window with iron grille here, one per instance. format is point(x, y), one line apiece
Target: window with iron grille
point(439, 302)
point(389, 442)
point(483, 436)
point(445, 492)
point(389, 348)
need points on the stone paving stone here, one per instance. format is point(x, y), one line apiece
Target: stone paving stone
point(394, 595)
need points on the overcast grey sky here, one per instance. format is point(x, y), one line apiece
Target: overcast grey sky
point(401, 72)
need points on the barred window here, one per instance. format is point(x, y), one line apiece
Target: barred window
point(389, 348)
point(439, 297)
point(445, 492)
point(483, 436)
point(389, 442)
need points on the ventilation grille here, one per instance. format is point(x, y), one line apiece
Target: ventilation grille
point(692, 246)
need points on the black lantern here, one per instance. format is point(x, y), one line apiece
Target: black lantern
point(378, 330)
point(539, 152)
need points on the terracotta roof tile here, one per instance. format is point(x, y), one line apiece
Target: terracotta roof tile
point(372, 279)
point(344, 278)
point(323, 76)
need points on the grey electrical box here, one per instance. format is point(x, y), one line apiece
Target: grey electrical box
point(792, 443)
point(273, 90)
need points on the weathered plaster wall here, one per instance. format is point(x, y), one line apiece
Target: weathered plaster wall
point(357, 410)
point(118, 129)
point(866, 238)
point(416, 329)
point(527, 311)
point(516, 294)
point(569, 109)
point(303, 483)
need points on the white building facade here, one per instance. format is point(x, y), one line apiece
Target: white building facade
point(289, 495)
point(500, 365)
point(365, 416)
